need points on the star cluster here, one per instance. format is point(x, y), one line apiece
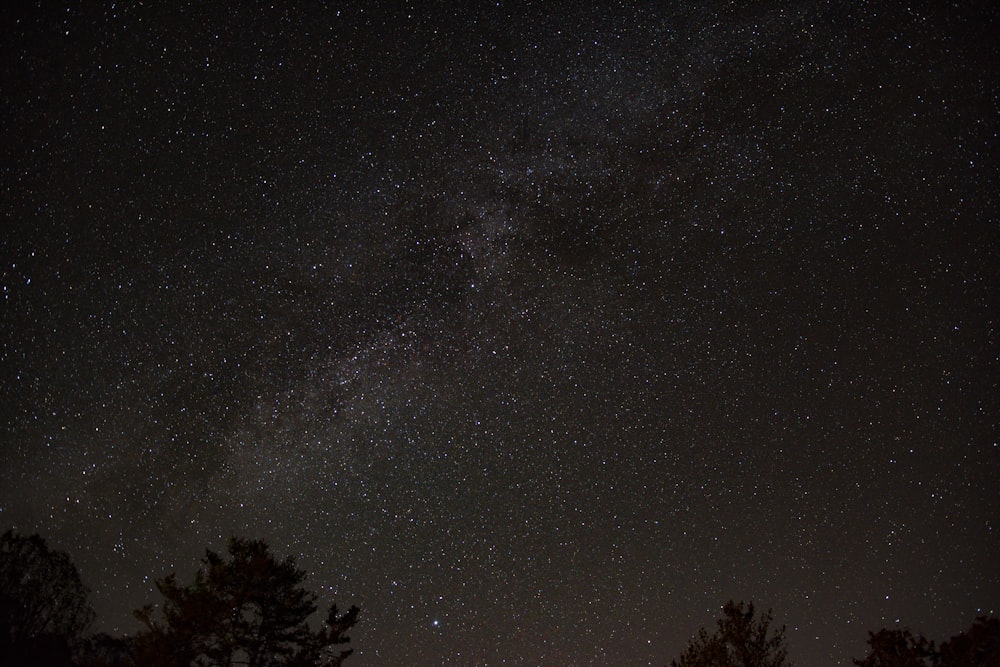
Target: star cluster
point(537, 333)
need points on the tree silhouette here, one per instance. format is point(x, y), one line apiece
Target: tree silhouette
point(44, 606)
point(739, 640)
point(979, 646)
point(248, 610)
point(103, 650)
point(898, 648)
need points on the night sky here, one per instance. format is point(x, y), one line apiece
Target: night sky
point(538, 333)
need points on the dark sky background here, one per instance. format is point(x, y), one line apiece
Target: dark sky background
point(538, 333)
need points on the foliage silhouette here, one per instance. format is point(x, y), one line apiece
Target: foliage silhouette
point(104, 650)
point(44, 606)
point(740, 640)
point(898, 648)
point(249, 610)
point(977, 647)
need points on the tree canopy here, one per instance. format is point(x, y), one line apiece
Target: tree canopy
point(898, 648)
point(979, 646)
point(250, 609)
point(740, 640)
point(44, 606)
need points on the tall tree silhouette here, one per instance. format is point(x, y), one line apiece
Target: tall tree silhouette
point(739, 640)
point(249, 610)
point(979, 646)
point(104, 650)
point(898, 648)
point(44, 606)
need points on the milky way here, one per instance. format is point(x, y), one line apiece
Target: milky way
point(537, 334)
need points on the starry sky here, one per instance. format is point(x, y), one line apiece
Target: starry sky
point(538, 331)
